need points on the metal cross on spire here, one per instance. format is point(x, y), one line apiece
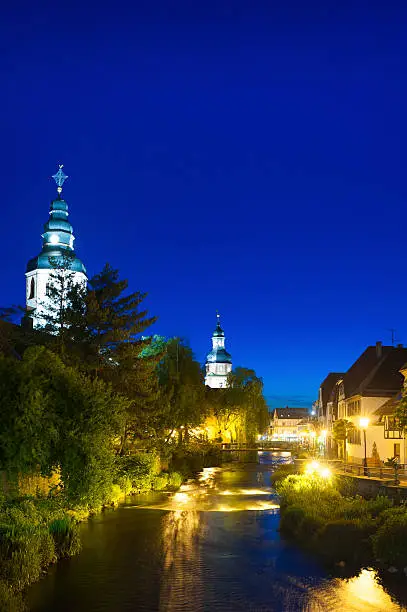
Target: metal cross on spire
point(60, 178)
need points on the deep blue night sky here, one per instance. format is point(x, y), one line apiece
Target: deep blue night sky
point(242, 156)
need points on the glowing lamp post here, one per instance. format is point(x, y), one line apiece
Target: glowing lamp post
point(364, 424)
point(313, 436)
point(323, 440)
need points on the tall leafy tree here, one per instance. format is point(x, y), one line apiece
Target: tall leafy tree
point(181, 399)
point(341, 429)
point(240, 408)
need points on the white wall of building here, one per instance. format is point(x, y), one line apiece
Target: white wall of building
point(374, 433)
point(40, 301)
point(217, 375)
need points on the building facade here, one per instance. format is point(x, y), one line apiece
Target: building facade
point(57, 248)
point(367, 395)
point(218, 362)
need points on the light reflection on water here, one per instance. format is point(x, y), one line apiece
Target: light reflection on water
point(212, 546)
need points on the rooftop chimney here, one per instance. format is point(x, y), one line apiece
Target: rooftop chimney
point(378, 350)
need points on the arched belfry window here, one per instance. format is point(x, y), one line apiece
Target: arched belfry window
point(32, 289)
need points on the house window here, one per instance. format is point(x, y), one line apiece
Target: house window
point(354, 408)
point(396, 451)
point(32, 289)
point(354, 437)
point(391, 428)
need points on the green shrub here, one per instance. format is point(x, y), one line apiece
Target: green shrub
point(160, 482)
point(117, 493)
point(21, 561)
point(291, 520)
point(346, 540)
point(10, 601)
point(174, 480)
point(140, 469)
point(124, 482)
point(47, 549)
point(389, 542)
point(66, 537)
point(191, 459)
point(284, 470)
point(346, 486)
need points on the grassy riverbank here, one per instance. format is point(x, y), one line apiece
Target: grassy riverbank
point(342, 529)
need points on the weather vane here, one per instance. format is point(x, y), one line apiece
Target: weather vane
point(60, 178)
point(218, 315)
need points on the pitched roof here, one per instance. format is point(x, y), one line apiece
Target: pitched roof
point(388, 408)
point(291, 413)
point(375, 374)
point(328, 385)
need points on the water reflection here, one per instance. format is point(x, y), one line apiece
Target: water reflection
point(359, 594)
point(214, 545)
point(181, 553)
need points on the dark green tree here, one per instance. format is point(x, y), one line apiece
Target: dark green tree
point(181, 400)
point(116, 323)
point(54, 418)
point(64, 308)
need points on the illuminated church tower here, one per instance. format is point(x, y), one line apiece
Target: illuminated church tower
point(57, 241)
point(218, 361)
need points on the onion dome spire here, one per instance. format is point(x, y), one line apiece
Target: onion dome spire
point(218, 330)
point(60, 178)
point(58, 237)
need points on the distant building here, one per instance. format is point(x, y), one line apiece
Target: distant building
point(219, 361)
point(57, 241)
point(286, 423)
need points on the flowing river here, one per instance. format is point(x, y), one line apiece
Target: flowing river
point(212, 546)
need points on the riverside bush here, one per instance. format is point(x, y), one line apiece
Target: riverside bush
point(347, 540)
point(138, 470)
point(33, 534)
point(174, 480)
point(283, 470)
point(341, 528)
point(191, 459)
point(390, 540)
point(160, 482)
point(10, 601)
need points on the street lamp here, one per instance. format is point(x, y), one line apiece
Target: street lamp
point(313, 436)
point(364, 424)
point(323, 440)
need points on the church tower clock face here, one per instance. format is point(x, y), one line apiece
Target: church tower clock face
point(219, 361)
point(57, 245)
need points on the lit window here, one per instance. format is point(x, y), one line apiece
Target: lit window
point(391, 428)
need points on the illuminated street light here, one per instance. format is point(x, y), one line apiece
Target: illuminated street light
point(312, 467)
point(364, 424)
point(325, 473)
